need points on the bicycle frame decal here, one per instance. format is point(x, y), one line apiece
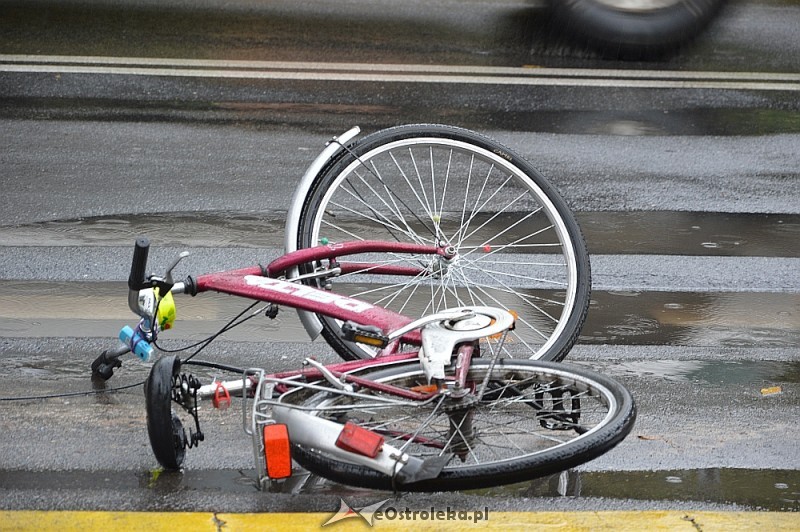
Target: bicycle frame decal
point(250, 283)
point(307, 292)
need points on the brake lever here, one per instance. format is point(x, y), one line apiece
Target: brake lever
point(168, 276)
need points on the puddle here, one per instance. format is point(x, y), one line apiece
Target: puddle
point(660, 232)
point(706, 372)
point(684, 122)
point(213, 229)
point(772, 490)
point(40, 309)
point(709, 319)
point(691, 233)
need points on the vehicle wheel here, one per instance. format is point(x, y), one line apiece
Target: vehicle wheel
point(166, 432)
point(536, 419)
point(517, 244)
point(634, 29)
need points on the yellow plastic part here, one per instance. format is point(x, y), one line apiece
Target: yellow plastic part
point(166, 311)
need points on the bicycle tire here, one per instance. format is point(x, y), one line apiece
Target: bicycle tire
point(517, 242)
point(164, 427)
point(507, 426)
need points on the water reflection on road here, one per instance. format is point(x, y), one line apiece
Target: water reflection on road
point(777, 490)
point(39, 309)
point(774, 490)
point(723, 319)
point(661, 232)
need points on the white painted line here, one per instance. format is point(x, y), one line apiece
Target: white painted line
point(532, 75)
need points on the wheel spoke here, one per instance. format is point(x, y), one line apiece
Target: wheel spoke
point(529, 410)
point(515, 243)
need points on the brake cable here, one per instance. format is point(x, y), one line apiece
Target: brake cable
point(72, 394)
point(235, 321)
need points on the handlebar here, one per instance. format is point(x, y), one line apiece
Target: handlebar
point(136, 280)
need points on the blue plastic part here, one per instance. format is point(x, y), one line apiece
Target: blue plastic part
point(138, 344)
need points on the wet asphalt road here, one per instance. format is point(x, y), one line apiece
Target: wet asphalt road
point(696, 310)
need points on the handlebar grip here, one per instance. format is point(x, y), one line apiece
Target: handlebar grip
point(136, 281)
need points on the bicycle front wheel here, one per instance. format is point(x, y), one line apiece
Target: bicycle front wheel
point(533, 419)
point(164, 427)
point(517, 245)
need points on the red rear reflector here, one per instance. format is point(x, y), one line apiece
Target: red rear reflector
point(359, 440)
point(276, 451)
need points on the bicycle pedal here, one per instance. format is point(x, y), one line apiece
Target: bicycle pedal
point(364, 334)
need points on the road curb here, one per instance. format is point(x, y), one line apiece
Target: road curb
point(422, 520)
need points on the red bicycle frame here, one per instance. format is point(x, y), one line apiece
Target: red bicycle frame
point(266, 284)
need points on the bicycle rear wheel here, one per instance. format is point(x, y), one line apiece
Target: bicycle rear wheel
point(535, 419)
point(517, 245)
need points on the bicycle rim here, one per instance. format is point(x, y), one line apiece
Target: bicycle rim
point(517, 244)
point(535, 419)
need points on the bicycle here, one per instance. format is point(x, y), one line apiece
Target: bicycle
point(433, 403)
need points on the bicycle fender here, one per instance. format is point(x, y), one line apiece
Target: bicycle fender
point(318, 433)
point(309, 320)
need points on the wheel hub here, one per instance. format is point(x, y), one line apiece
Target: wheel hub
point(441, 264)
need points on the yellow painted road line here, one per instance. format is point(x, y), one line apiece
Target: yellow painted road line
point(288, 522)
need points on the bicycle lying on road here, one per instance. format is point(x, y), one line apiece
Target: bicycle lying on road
point(446, 224)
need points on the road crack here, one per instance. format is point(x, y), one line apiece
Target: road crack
point(219, 523)
point(692, 520)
